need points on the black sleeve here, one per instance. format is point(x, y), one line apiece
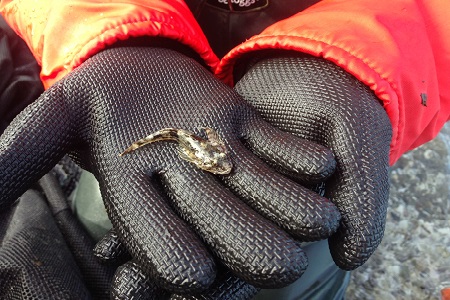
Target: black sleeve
point(19, 75)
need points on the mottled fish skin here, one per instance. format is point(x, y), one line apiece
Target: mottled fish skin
point(207, 154)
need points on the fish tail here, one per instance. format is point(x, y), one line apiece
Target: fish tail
point(133, 147)
point(161, 135)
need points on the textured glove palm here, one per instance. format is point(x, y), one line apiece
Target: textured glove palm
point(316, 100)
point(165, 209)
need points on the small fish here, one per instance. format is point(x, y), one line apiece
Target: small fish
point(207, 154)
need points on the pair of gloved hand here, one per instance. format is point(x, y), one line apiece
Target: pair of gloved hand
point(179, 222)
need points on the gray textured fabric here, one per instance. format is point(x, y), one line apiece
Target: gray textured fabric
point(96, 276)
point(35, 261)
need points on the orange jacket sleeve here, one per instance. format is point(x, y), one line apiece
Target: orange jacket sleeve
point(62, 34)
point(400, 49)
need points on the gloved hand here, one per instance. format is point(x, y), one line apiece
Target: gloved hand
point(164, 208)
point(316, 100)
point(131, 282)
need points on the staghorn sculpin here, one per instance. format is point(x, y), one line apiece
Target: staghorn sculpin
point(208, 154)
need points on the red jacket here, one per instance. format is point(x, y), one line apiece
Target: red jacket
point(400, 49)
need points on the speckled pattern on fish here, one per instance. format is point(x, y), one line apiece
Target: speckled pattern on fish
point(208, 154)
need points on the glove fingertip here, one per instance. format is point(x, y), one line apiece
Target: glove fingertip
point(130, 282)
point(110, 249)
point(316, 224)
point(351, 252)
